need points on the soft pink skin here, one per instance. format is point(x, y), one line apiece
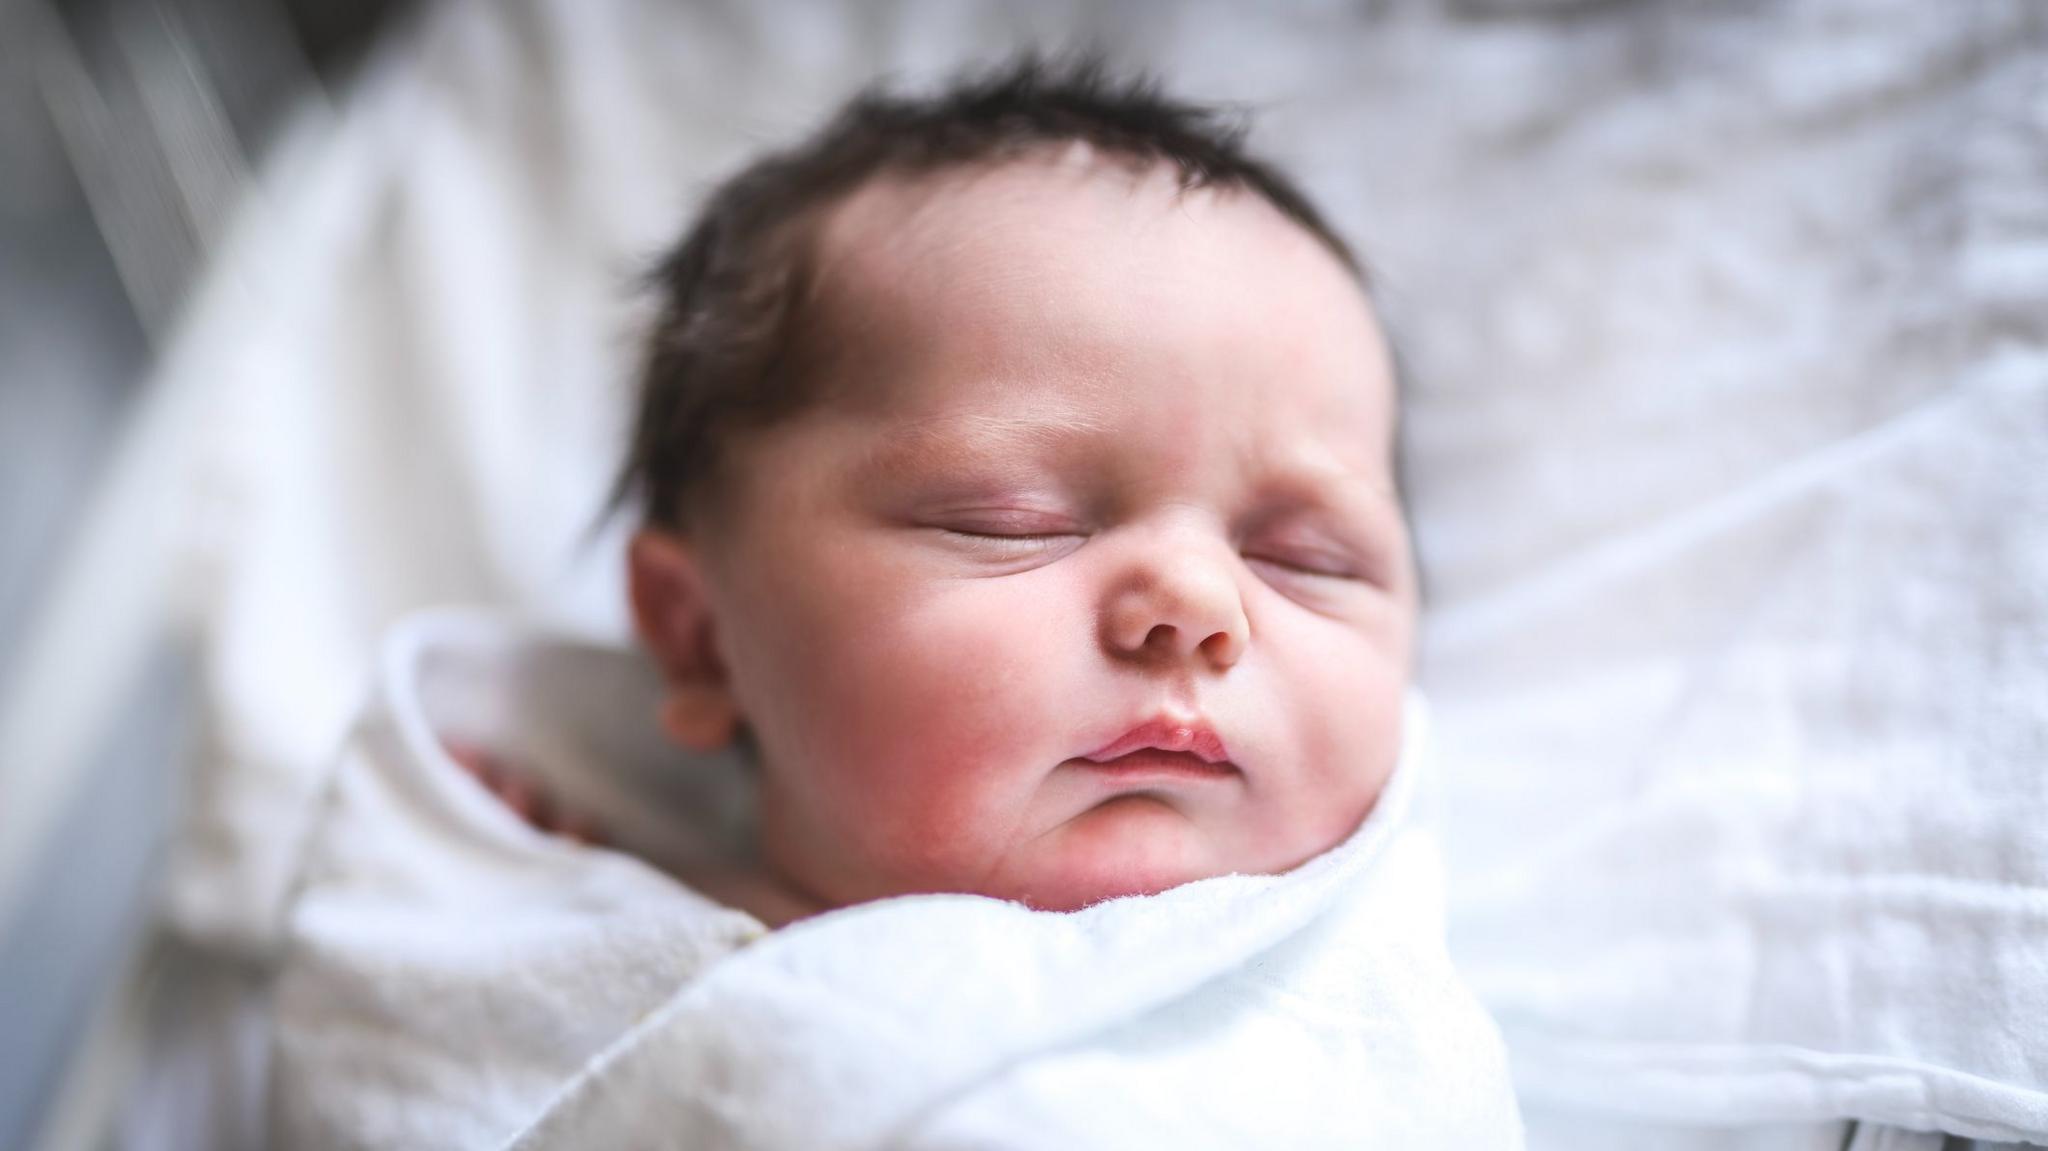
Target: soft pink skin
point(1172, 405)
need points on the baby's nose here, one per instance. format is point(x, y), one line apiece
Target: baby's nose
point(1178, 603)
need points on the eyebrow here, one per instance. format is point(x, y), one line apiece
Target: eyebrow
point(940, 439)
point(1308, 478)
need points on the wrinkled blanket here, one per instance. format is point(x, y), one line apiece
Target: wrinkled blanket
point(457, 979)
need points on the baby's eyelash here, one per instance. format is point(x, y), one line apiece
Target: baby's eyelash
point(1315, 564)
point(1007, 538)
point(1002, 523)
point(1318, 566)
point(1015, 542)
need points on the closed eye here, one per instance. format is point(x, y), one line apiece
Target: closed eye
point(1020, 542)
point(1007, 536)
point(1321, 566)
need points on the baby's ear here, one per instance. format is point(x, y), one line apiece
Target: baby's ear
point(672, 614)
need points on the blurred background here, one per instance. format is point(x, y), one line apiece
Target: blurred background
point(1728, 328)
point(129, 132)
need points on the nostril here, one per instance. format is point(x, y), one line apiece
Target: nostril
point(1223, 649)
point(1169, 615)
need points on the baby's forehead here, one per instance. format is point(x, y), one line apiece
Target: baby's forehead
point(1104, 304)
point(1073, 250)
point(1016, 214)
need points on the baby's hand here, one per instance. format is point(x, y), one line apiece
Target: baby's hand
point(526, 798)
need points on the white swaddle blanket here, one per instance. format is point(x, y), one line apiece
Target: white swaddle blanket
point(456, 979)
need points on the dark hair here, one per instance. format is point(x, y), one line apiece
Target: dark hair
point(725, 352)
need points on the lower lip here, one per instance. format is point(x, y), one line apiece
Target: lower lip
point(1155, 766)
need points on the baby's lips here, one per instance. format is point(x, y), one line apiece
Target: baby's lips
point(1193, 736)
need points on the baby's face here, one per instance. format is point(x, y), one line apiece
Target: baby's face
point(1092, 580)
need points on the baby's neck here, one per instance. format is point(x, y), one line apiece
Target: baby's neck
point(756, 891)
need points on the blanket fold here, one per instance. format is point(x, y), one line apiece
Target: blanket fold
point(457, 979)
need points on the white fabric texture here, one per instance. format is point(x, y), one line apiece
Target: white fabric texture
point(454, 978)
point(1732, 471)
point(1729, 445)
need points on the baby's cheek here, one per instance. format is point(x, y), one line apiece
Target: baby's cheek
point(958, 720)
point(1346, 700)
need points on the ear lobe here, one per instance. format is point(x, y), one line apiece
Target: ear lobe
point(701, 719)
point(672, 614)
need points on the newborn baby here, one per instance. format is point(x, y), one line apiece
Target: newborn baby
point(1017, 473)
point(1029, 503)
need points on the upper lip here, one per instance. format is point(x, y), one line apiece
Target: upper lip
point(1165, 733)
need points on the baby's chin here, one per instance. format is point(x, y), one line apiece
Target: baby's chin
point(1135, 844)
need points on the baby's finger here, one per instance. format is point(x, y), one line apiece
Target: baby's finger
point(525, 800)
point(471, 758)
point(579, 828)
